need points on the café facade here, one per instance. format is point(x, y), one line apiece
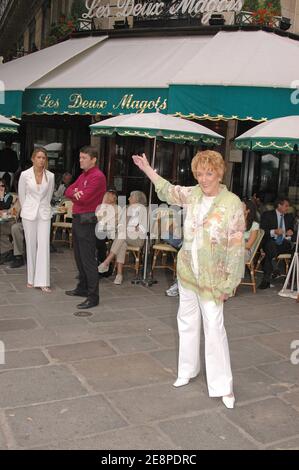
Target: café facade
point(228, 79)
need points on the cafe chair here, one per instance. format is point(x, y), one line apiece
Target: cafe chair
point(14, 198)
point(134, 253)
point(286, 258)
point(251, 265)
point(163, 221)
point(64, 226)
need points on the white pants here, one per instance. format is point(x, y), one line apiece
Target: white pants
point(218, 369)
point(37, 236)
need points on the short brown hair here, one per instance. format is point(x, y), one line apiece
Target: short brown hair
point(91, 151)
point(209, 159)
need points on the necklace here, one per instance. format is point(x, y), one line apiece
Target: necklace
point(38, 177)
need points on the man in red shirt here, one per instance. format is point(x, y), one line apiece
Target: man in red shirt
point(86, 193)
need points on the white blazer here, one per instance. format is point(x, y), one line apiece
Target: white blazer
point(36, 199)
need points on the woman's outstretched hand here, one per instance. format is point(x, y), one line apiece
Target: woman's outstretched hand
point(141, 162)
point(143, 165)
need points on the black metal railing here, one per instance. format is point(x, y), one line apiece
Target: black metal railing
point(248, 18)
point(165, 18)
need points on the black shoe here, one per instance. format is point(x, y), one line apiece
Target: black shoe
point(88, 304)
point(76, 293)
point(276, 274)
point(7, 257)
point(264, 285)
point(17, 262)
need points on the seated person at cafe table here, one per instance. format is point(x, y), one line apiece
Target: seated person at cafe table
point(106, 229)
point(131, 232)
point(15, 257)
point(279, 233)
point(5, 204)
point(5, 196)
point(65, 182)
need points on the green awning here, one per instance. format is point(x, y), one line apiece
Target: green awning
point(8, 126)
point(230, 102)
point(18, 75)
point(281, 134)
point(94, 101)
point(280, 145)
point(10, 129)
point(156, 125)
point(11, 106)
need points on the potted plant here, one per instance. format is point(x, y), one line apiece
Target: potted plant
point(265, 15)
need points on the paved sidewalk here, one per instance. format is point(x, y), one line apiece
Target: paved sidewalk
point(105, 381)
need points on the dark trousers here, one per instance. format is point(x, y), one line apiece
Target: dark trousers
point(272, 250)
point(84, 241)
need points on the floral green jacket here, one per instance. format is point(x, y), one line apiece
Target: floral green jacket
point(211, 260)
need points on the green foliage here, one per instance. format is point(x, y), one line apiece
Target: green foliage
point(60, 30)
point(254, 5)
point(273, 5)
point(251, 5)
point(66, 24)
point(78, 8)
point(263, 11)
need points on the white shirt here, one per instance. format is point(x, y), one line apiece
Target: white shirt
point(60, 191)
point(272, 233)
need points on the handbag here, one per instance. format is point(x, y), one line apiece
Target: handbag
point(88, 218)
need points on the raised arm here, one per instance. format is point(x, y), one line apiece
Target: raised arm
point(166, 191)
point(143, 165)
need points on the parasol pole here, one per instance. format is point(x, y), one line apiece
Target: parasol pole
point(294, 274)
point(145, 280)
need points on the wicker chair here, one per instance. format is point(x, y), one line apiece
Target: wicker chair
point(136, 253)
point(251, 264)
point(64, 226)
point(163, 220)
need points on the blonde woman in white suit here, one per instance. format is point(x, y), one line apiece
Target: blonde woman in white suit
point(36, 187)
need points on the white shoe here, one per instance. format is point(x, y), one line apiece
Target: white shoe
point(118, 280)
point(180, 382)
point(173, 290)
point(229, 402)
point(102, 268)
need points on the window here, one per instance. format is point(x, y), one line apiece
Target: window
point(53, 141)
point(46, 21)
point(269, 176)
point(32, 29)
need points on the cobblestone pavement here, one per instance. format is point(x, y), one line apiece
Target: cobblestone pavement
point(105, 381)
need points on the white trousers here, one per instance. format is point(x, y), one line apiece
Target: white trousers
point(37, 236)
point(218, 369)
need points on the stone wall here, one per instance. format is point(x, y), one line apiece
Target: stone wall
point(290, 9)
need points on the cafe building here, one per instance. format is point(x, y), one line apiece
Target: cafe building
point(227, 77)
